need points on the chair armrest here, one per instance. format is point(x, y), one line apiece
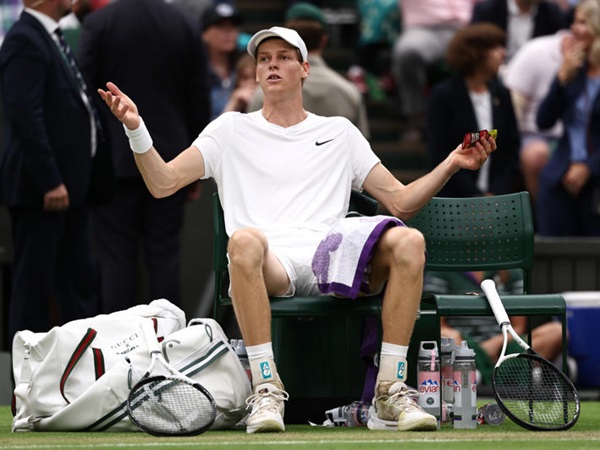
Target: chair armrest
point(477, 305)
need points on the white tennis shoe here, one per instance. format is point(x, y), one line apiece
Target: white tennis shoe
point(267, 408)
point(395, 407)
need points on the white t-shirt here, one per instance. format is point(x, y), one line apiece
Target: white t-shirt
point(519, 27)
point(482, 105)
point(291, 183)
point(531, 73)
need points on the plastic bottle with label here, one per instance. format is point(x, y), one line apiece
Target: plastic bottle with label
point(465, 388)
point(428, 379)
point(490, 414)
point(357, 414)
point(447, 363)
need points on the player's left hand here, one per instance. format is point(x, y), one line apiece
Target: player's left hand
point(472, 158)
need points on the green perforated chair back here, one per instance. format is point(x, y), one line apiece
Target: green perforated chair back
point(481, 233)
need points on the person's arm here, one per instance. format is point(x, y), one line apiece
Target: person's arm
point(404, 201)
point(556, 99)
point(521, 103)
point(162, 179)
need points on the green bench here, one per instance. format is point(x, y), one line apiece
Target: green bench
point(322, 334)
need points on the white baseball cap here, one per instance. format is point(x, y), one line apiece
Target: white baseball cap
point(290, 36)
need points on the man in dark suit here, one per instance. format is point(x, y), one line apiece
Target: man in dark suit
point(152, 50)
point(53, 140)
point(521, 19)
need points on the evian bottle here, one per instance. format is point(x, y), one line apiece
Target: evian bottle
point(428, 378)
point(465, 387)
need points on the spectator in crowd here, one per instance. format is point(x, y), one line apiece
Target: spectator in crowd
point(521, 19)
point(471, 100)
point(54, 143)
point(151, 48)
point(220, 33)
point(568, 201)
point(427, 28)
point(245, 85)
point(528, 83)
point(481, 333)
point(284, 177)
point(325, 92)
point(194, 9)
point(378, 28)
point(71, 23)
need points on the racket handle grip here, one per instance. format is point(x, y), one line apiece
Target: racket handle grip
point(489, 288)
point(149, 335)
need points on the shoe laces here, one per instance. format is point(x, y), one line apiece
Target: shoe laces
point(403, 397)
point(267, 398)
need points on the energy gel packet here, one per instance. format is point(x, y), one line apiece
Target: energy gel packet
point(471, 139)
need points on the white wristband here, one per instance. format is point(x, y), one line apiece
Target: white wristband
point(139, 139)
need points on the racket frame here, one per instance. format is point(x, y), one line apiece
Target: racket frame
point(489, 288)
point(174, 375)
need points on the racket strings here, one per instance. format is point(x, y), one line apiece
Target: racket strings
point(168, 406)
point(535, 392)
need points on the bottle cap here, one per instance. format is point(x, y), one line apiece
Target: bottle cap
point(448, 345)
point(428, 350)
point(464, 353)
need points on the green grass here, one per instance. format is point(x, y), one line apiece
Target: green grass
point(584, 435)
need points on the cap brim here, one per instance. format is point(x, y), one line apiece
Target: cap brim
point(257, 39)
point(290, 36)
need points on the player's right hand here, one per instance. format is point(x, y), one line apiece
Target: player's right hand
point(121, 106)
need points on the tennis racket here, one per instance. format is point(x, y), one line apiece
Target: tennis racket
point(533, 392)
point(166, 402)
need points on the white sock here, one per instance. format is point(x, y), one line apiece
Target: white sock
point(388, 349)
point(260, 351)
point(392, 362)
point(262, 363)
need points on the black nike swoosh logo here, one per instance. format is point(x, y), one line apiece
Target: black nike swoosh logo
point(317, 143)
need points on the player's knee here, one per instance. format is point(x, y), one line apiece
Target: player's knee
point(247, 246)
point(408, 247)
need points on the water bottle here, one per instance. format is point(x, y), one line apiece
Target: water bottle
point(357, 414)
point(447, 362)
point(465, 392)
point(490, 414)
point(240, 350)
point(428, 379)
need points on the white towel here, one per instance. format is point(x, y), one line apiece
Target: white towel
point(341, 261)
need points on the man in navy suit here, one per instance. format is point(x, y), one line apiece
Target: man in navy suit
point(52, 144)
point(151, 49)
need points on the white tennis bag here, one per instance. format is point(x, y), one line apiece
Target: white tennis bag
point(77, 377)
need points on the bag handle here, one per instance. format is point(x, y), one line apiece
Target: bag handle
point(99, 367)
point(75, 357)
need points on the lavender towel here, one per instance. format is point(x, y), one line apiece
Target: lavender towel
point(341, 260)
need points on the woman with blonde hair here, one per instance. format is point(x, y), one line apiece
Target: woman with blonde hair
point(569, 193)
